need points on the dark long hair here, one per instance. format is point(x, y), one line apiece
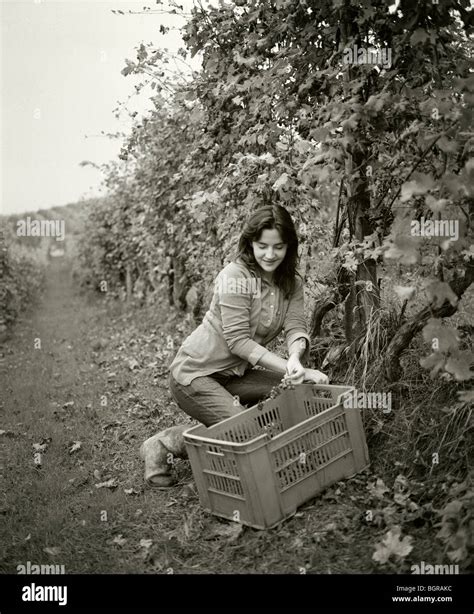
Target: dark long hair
point(269, 217)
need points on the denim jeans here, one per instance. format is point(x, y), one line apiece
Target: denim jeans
point(215, 397)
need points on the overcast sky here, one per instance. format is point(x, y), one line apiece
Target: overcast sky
point(60, 81)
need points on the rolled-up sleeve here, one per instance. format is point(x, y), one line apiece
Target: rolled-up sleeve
point(235, 297)
point(295, 322)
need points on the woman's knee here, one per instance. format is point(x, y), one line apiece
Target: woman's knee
point(205, 400)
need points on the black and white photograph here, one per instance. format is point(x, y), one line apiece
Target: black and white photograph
point(236, 305)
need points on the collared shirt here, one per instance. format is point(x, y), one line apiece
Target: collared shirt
point(245, 314)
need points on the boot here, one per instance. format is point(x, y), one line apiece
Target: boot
point(159, 453)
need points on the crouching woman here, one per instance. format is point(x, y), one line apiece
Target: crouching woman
point(224, 364)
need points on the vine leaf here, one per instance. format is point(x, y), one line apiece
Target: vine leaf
point(420, 185)
point(459, 365)
point(435, 362)
point(392, 545)
point(418, 36)
point(404, 249)
point(378, 489)
point(438, 292)
point(467, 396)
point(405, 293)
point(446, 338)
point(434, 204)
point(281, 181)
point(447, 145)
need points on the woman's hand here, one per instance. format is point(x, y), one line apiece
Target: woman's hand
point(317, 377)
point(295, 372)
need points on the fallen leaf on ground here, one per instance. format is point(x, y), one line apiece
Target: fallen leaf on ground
point(112, 483)
point(119, 540)
point(377, 489)
point(8, 433)
point(130, 491)
point(146, 543)
point(401, 489)
point(133, 364)
point(40, 447)
point(53, 551)
point(76, 445)
point(297, 543)
point(393, 545)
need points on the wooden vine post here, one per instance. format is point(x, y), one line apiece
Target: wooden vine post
point(364, 295)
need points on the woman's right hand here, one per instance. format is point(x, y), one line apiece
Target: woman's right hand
point(315, 376)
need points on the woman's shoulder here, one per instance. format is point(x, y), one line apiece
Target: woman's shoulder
point(298, 287)
point(237, 268)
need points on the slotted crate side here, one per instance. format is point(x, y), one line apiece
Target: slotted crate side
point(217, 462)
point(314, 401)
point(310, 448)
point(226, 507)
point(211, 467)
point(317, 482)
point(217, 481)
point(194, 454)
point(332, 455)
point(261, 489)
point(227, 485)
point(254, 495)
point(306, 453)
point(290, 407)
point(228, 482)
point(315, 405)
point(328, 463)
point(272, 419)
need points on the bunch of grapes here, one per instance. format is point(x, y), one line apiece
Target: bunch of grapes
point(285, 384)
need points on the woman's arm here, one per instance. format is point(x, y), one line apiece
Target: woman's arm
point(273, 362)
point(234, 300)
point(295, 324)
point(298, 347)
point(298, 341)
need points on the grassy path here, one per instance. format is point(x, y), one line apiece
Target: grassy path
point(85, 400)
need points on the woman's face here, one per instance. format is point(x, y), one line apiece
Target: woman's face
point(269, 250)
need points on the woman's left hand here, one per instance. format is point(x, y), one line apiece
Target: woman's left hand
point(295, 371)
point(318, 377)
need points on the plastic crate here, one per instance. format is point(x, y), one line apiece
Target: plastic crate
point(257, 467)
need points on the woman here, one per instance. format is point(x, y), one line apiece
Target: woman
point(255, 297)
